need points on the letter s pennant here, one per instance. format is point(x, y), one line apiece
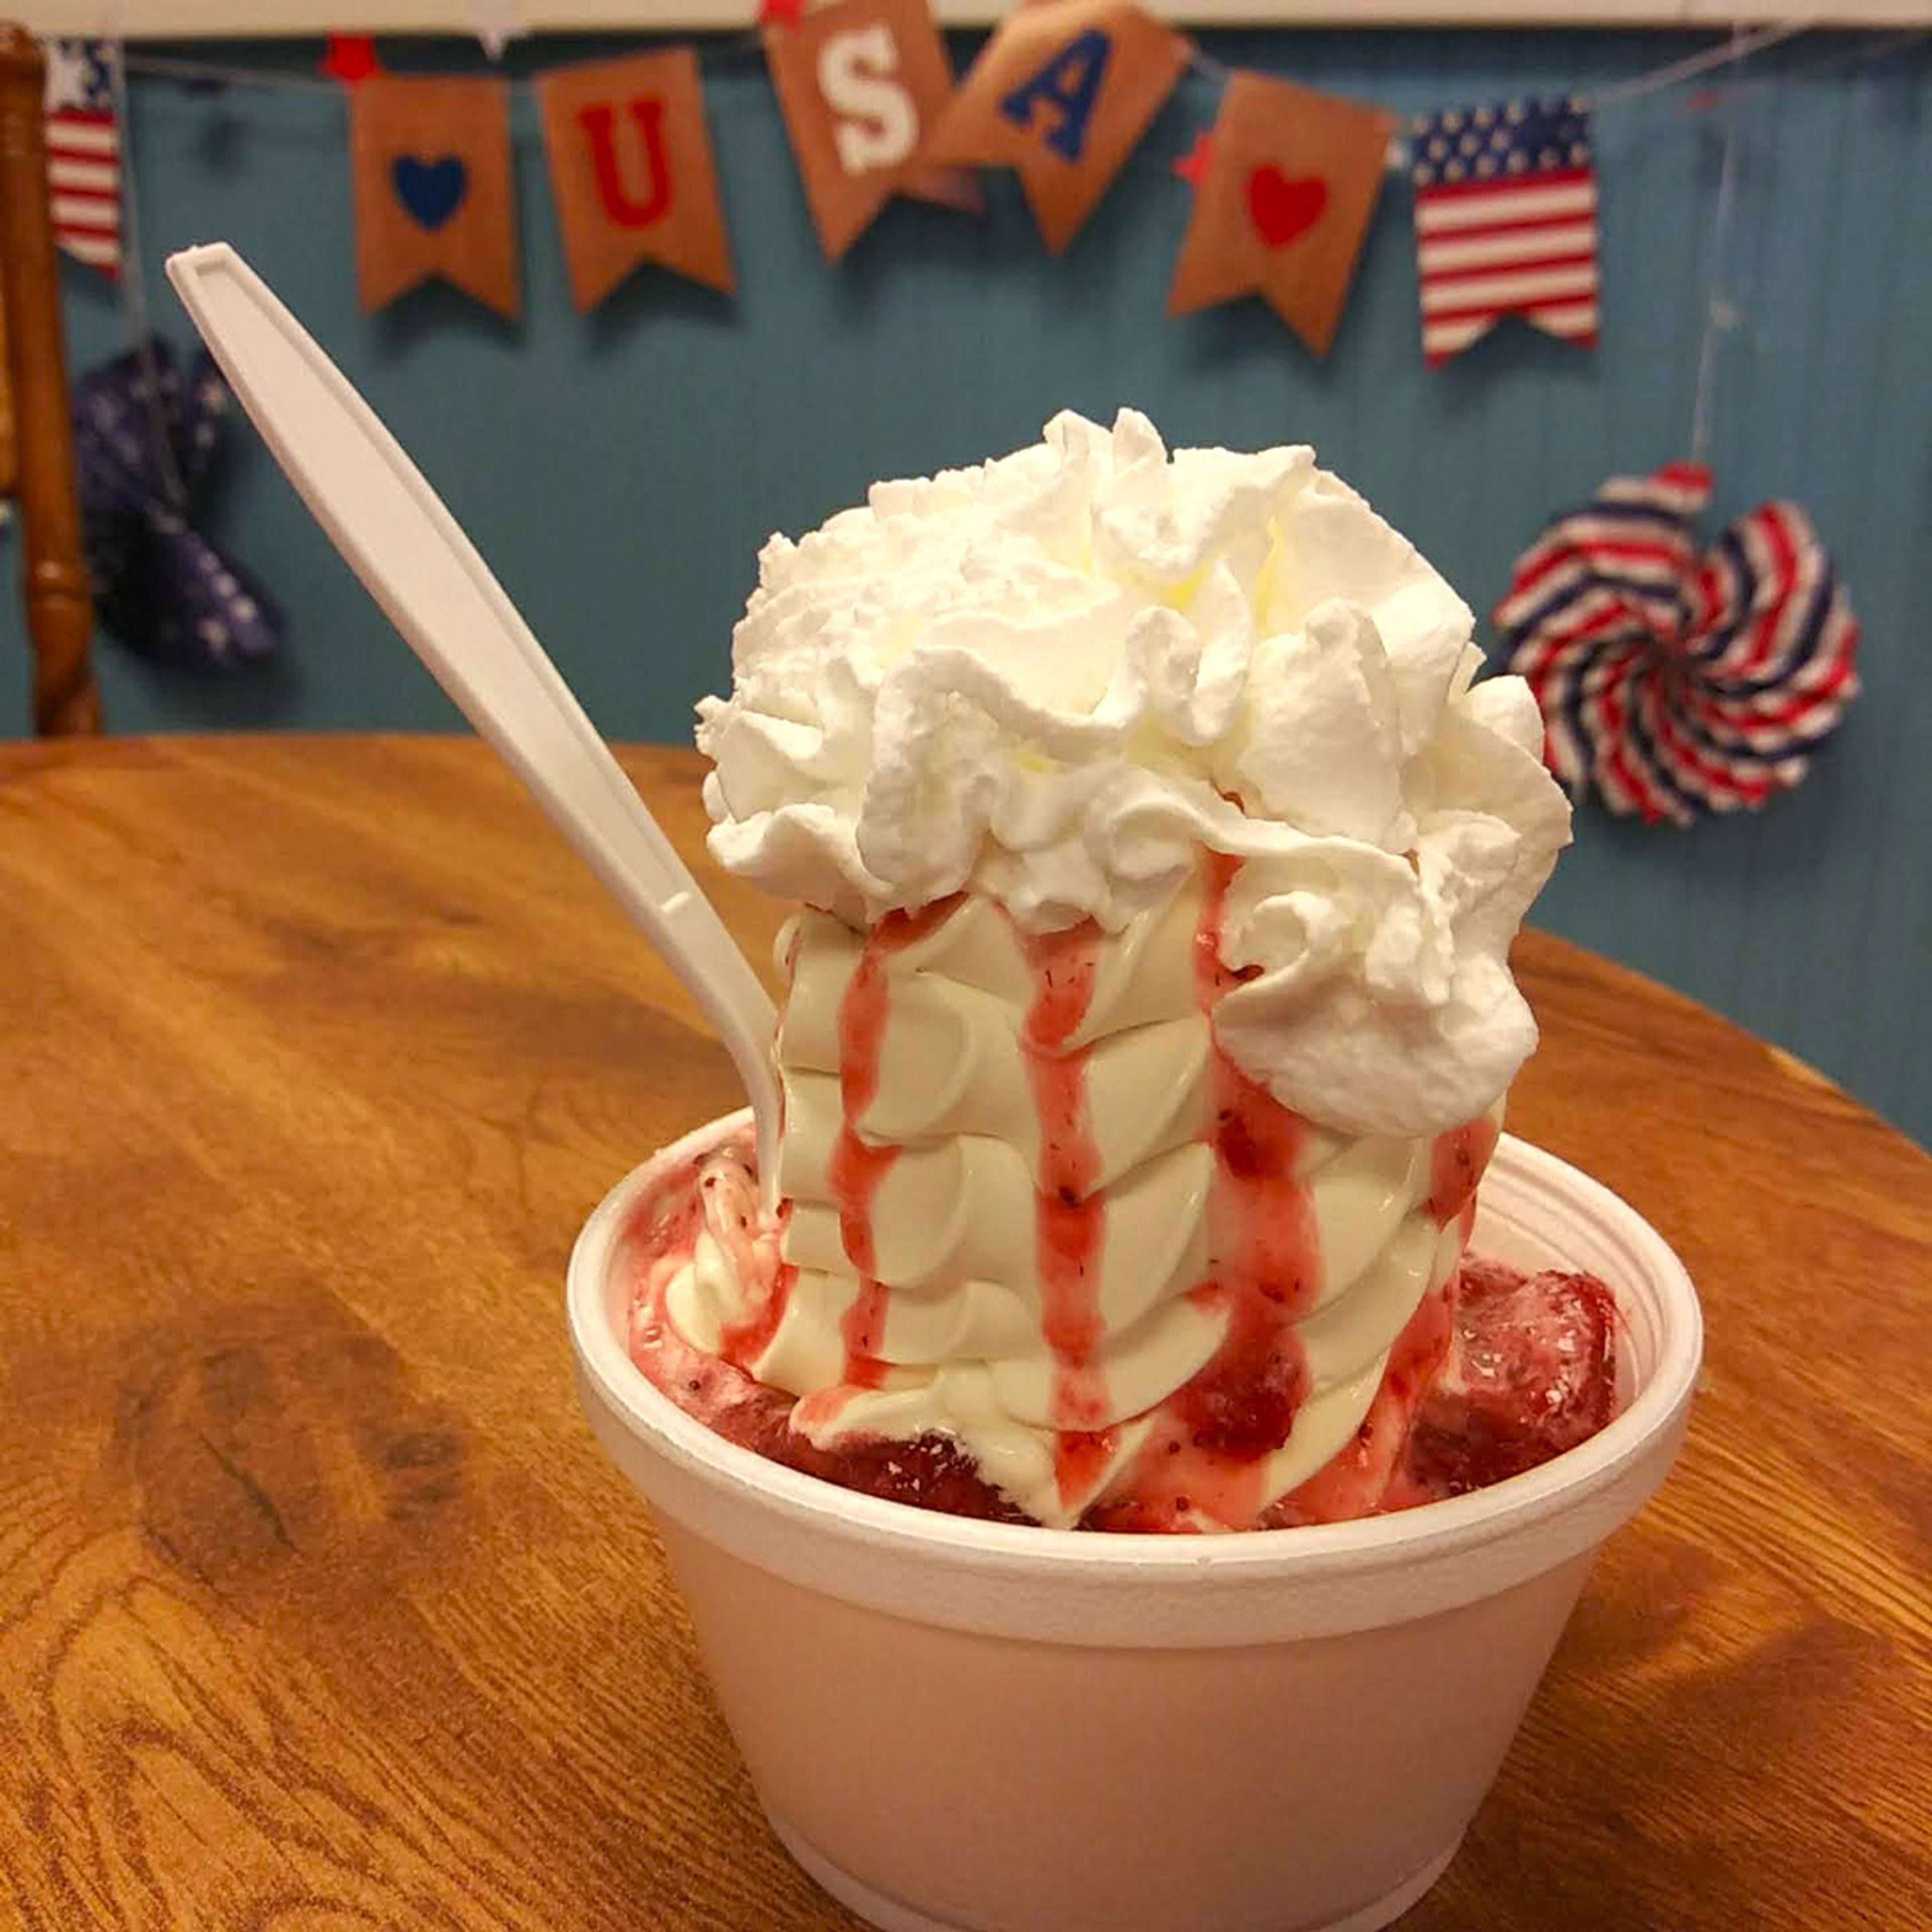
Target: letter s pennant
point(860, 81)
point(632, 170)
point(1062, 92)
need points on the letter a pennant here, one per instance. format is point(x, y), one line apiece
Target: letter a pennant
point(632, 170)
point(1062, 93)
point(859, 81)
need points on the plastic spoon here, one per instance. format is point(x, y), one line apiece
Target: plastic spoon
point(414, 559)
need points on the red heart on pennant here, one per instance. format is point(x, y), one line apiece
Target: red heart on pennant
point(1281, 208)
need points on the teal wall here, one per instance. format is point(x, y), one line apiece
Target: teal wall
point(620, 470)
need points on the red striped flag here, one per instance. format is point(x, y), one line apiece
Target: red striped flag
point(83, 135)
point(1505, 222)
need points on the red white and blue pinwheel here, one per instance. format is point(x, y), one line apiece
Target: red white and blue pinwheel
point(1675, 680)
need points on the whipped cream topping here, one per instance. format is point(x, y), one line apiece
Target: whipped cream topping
point(1033, 1207)
point(1056, 678)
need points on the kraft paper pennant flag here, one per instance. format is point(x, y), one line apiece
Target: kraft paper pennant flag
point(430, 162)
point(860, 82)
point(1280, 207)
point(632, 170)
point(1062, 92)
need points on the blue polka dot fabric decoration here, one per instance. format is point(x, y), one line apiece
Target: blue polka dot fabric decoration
point(146, 432)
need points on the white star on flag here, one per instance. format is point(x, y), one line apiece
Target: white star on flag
point(67, 74)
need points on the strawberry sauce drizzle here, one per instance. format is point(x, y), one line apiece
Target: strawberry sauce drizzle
point(855, 1172)
point(857, 1169)
point(1203, 1458)
point(720, 1199)
point(1355, 1482)
point(1069, 1213)
point(1456, 1165)
point(1262, 1244)
point(745, 1342)
point(1261, 1232)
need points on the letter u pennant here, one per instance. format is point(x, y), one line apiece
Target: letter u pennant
point(1062, 93)
point(860, 81)
point(632, 170)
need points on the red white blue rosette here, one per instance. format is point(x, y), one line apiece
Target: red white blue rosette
point(1675, 679)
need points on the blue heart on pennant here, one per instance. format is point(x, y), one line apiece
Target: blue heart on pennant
point(432, 191)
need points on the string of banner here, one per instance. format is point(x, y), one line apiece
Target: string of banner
point(1671, 680)
point(1285, 183)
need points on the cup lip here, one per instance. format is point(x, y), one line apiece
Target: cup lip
point(1456, 1524)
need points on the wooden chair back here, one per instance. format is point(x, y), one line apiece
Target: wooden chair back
point(39, 427)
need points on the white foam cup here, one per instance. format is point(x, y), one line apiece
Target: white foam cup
point(990, 1727)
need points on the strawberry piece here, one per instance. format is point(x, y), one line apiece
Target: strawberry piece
point(1532, 1372)
point(929, 1472)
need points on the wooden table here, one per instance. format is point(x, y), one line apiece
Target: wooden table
point(319, 1609)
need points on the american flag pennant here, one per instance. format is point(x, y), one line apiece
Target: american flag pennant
point(1674, 680)
point(83, 138)
point(1505, 222)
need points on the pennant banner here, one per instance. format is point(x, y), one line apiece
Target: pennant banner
point(632, 171)
point(1062, 93)
point(431, 164)
point(1280, 207)
point(859, 83)
point(1284, 185)
point(1505, 222)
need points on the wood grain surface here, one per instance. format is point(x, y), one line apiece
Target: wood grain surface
point(318, 1607)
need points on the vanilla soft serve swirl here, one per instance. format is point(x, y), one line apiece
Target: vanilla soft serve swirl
point(1055, 686)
